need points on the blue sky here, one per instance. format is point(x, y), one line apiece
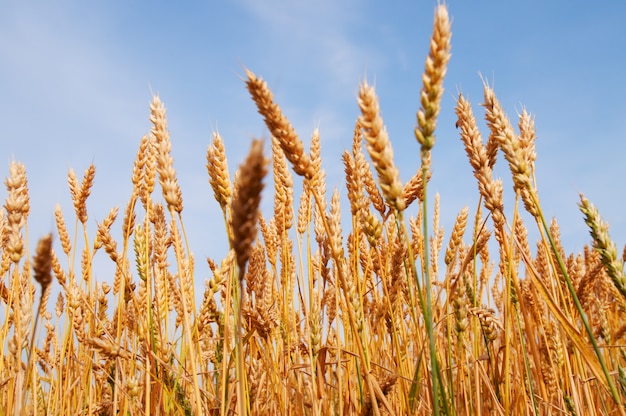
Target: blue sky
point(76, 80)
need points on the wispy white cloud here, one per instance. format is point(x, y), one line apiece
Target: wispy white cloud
point(68, 104)
point(318, 34)
point(61, 70)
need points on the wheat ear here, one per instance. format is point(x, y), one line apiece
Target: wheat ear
point(245, 216)
point(42, 273)
point(17, 207)
point(513, 150)
point(490, 189)
point(246, 203)
point(379, 147)
point(603, 244)
point(283, 190)
point(279, 126)
point(434, 73)
point(217, 167)
point(164, 161)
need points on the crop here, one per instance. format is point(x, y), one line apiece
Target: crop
point(384, 314)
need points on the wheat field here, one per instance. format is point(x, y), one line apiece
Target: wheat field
point(384, 314)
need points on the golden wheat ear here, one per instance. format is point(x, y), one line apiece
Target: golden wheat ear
point(17, 206)
point(513, 150)
point(246, 201)
point(164, 161)
point(279, 126)
point(42, 264)
point(434, 72)
point(603, 244)
point(42, 273)
point(217, 168)
point(379, 147)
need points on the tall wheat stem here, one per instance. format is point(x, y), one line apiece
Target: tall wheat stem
point(428, 313)
point(187, 327)
point(430, 98)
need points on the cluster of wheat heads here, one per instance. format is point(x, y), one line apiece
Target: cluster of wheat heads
point(306, 315)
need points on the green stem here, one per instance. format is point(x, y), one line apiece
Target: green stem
point(579, 308)
point(426, 304)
